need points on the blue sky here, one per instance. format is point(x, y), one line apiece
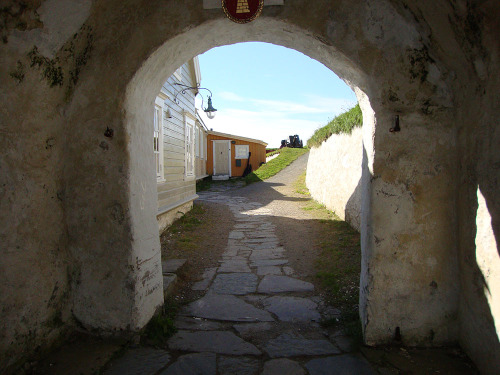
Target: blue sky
point(269, 92)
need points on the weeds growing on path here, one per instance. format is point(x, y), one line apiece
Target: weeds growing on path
point(161, 326)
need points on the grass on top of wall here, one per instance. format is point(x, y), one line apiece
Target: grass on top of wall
point(285, 158)
point(343, 123)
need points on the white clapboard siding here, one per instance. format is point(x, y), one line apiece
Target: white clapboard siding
point(175, 187)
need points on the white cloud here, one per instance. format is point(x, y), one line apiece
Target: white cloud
point(334, 106)
point(265, 126)
point(227, 95)
point(274, 120)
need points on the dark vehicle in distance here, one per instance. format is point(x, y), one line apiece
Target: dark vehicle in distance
point(295, 142)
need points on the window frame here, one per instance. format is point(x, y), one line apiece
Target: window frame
point(189, 144)
point(197, 141)
point(158, 117)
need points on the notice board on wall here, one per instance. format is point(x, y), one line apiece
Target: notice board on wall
point(241, 151)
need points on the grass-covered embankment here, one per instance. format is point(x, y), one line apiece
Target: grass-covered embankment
point(343, 123)
point(285, 158)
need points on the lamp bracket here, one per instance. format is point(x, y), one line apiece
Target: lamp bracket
point(185, 88)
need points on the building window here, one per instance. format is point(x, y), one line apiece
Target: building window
point(158, 141)
point(197, 141)
point(205, 142)
point(189, 147)
point(202, 143)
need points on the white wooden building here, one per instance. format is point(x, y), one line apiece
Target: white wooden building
point(179, 143)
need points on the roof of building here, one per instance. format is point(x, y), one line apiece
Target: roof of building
point(211, 132)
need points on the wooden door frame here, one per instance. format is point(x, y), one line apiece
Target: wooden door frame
point(229, 154)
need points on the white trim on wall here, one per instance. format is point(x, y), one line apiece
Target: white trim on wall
point(158, 139)
point(178, 73)
point(189, 144)
point(229, 155)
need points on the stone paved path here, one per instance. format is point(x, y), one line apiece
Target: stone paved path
point(256, 317)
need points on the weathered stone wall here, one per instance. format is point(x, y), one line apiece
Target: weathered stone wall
point(334, 175)
point(479, 199)
point(79, 236)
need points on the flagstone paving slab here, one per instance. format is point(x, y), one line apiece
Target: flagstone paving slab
point(272, 239)
point(196, 324)
point(287, 345)
point(248, 329)
point(267, 254)
point(263, 246)
point(169, 280)
point(222, 342)
point(268, 262)
point(235, 235)
point(140, 361)
point(239, 366)
point(283, 366)
point(226, 308)
point(193, 364)
point(234, 265)
point(280, 284)
point(261, 234)
point(234, 283)
point(244, 253)
point(346, 364)
point(292, 309)
point(207, 279)
point(245, 226)
point(269, 270)
point(172, 265)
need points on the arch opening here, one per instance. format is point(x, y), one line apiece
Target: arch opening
point(163, 62)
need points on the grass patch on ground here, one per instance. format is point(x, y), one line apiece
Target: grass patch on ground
point(338, 265)
point(300, 185)
point(203, 184)
point(161, 326)
point(285, 158)
point(343, 123)
point(182, 233)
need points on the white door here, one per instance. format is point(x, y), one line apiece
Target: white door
point(222, 152)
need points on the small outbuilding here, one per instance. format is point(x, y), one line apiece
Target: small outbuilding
point(229, 155)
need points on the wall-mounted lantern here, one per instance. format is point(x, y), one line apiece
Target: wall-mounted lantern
point(210, 110)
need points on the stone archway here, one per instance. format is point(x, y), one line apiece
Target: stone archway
point(390, 196)
point(80, 180)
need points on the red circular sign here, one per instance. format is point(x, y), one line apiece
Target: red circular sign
point(242, 11)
